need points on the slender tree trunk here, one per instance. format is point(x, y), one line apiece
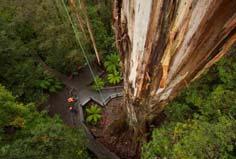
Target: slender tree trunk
point(84, 12)
point(165, 45)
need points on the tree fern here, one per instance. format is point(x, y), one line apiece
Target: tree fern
point(114, 78)
point(112, 63)
point(93, 114)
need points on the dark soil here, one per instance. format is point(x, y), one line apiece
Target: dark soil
point(119, 144)
point(122, 144)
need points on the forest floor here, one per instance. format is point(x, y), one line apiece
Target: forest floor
point(118, 141)
point(119, 144)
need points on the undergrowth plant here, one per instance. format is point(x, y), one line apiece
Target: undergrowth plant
point(114, 78)
point(112, 63)
point(50, 84)
point(98, 83)
point(93, 114)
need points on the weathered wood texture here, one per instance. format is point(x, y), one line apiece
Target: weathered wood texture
point(166, 44)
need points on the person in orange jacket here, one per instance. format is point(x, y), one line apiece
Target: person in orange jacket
point(71, 102)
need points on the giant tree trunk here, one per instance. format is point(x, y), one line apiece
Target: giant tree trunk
point(166, 44)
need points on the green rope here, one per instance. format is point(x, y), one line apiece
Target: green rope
point(78, 41)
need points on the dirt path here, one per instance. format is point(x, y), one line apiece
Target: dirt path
point(57, 105)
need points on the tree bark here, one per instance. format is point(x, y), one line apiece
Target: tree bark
point(165, 45)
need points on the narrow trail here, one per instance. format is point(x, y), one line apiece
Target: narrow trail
point(81, 88)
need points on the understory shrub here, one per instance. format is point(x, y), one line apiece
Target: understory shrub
point(114, 78)
point(28, 134)
point(98, 83)
point(112, 63)
point(50, 84)
point(93, 114)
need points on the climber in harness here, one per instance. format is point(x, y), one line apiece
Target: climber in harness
point(71, 102)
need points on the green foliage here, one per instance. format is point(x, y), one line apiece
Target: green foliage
point(100, 17)
point(114, 78)
point(19, 71)
point(30, 28)
point(9, 109)
point(112, 63)
point(55, 39)
point(202, 120)
point(227, 72)
point(40, 28)
point(98, 83)
point(93, 114)
point(35, 134)
point(50, 84)
point(193, 139)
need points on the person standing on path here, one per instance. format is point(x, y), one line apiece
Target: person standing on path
point(71, 104)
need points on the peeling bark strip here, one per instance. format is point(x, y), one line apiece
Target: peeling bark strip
point(166, 44)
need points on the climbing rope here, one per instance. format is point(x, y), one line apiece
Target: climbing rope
point(76, 32)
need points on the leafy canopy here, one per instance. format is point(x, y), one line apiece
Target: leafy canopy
point(201, 121)
point(26, 133)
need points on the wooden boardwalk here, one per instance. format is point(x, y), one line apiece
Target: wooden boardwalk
point(82, 83)
point(81, 88)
